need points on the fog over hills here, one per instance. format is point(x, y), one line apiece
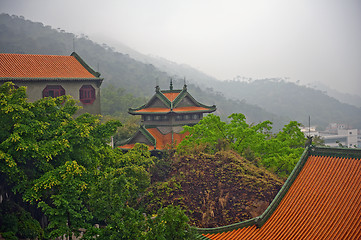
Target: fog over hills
point(195, 76)
point(266, 99)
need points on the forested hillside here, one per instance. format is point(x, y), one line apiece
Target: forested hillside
point(260, 100)
point(121, 73)
point(293, 101)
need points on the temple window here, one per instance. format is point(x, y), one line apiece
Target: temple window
point(53, 91)
point(179, 117)
point(165, 118)
point(195, 116)
point(87, 94)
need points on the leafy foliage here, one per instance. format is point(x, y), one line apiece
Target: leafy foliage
point(169, 223)
point(14, 220)
point(65, 166)
point(278, 152)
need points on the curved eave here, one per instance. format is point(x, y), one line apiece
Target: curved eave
point(158, 95)
point(144, 131)
point(131, 111)
point(196, 111)
point(22, 79)
point(185, 93)
point(85, 65)
point(139, 112)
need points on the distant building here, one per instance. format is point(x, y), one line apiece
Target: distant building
point(164, 116)
point(337, 134)
point(344, 137)
point(53, 76)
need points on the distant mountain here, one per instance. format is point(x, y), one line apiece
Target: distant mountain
point(191, 74)
point(291, 100)
point(342, 97)
point(119, 70)
point(266, 99)
point(197, 77)
point(286, 99)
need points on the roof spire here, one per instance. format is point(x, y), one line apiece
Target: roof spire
point(171, 84)
point(156, 85)
point(185, 85)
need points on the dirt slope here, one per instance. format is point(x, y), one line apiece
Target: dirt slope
point(215, 190)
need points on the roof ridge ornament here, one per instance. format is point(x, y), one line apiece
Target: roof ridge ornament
point(171, 84)
point(157, 85)
point(185, 84)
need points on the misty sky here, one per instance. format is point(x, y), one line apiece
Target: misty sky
point(306, 40)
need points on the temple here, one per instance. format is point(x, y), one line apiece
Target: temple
point(164, 116)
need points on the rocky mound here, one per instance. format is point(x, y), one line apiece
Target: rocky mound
point(215, 190)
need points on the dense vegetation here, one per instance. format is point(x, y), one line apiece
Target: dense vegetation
point(60, 175)
point(277, 152)
point(62, 170)
point(219, 172)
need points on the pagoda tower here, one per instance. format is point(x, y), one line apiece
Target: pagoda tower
point(164, 116)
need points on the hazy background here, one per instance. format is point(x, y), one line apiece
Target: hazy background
point(306, 40)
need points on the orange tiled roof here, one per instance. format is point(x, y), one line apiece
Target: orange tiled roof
point(41, 66)
point(165, 110)
point(324, 202)
point(171, 96)
point(164, 140)
point(188, 109)
point(131, 145)
point(154, 110)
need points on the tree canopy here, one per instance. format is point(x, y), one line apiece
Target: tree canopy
point(278, 152)
point(65, 167)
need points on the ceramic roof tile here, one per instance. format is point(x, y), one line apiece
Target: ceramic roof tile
point(164, 140)
point(171, 96)
point(189, 109)
point(41, 66)
point(324, 202)
point(131, 145)
point(160, 110)
point(165, 110)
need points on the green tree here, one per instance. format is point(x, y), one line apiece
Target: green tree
point(49, 157)
point(61, 194)
point(169, 223)
point(65, 166)
point(278, 152)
